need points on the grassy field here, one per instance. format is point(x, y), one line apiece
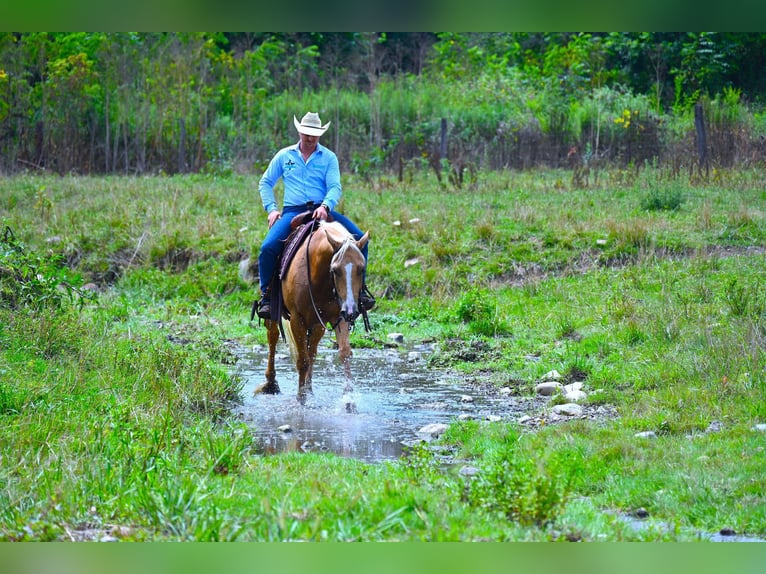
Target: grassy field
point(118, 296)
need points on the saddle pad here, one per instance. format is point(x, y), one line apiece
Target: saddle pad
point(292, 243)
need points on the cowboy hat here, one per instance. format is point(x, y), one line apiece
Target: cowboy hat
point(311, 125)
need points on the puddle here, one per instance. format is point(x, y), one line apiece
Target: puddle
point(394, 392)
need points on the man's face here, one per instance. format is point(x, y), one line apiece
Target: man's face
point(308, 143)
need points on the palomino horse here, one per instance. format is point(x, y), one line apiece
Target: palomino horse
point(321, 286)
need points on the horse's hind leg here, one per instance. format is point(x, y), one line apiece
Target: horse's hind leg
point(302, 359)
point(270, 387)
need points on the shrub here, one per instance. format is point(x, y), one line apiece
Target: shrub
point(34, 281)
point(525, 490)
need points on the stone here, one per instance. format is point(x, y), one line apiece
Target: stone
point(553, 375)
point(568, 409)
point(285, 428)
point(467, 470)
point(715, 426)
point(575, 396)
point(396, 337)
point(646, 434)
point(466, 399)
point(434, 429)
point(548, 388)
point(573, 387)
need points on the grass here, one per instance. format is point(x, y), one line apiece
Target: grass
point(115, 400)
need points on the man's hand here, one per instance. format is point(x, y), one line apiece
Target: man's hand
point(320, 213)
point(273, 216)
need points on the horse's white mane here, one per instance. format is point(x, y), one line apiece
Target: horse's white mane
point(337, 230)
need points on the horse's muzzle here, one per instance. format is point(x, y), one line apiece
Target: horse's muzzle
point(349, 312)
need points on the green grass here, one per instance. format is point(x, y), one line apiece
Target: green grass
point(115, 406)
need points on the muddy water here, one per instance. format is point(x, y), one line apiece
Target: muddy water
point(394, 393)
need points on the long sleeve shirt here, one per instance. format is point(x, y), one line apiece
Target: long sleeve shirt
point(316, 180)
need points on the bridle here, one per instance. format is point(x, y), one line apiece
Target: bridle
point(348, 243)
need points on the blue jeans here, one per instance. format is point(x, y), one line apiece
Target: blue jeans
point(275, 241)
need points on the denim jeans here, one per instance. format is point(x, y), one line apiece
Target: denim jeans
point(275, 241)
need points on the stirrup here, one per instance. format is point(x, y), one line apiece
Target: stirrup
point(366, 300)
point(264, 307)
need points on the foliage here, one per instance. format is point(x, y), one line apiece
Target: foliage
point(35, 281)
point(137, 103)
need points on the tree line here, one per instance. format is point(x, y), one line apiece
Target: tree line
point(139, 103)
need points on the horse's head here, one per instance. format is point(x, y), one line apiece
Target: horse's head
point(347, 268)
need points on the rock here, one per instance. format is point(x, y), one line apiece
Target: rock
point(467, 470)
point(573, 387)
point(601, 242)
point(466, 399)
point(575, 396)
point(248, 270)
point(411, 262)
point(285, 428)
point(553, 375)
point(396, 223)
point(641, 513)
point(524, 419)
point(465, 417)
point(505, 391)
point(493, 418)
point(396, 337)
point(715, 426)
point(760, 427)
point(414, 220)
point(434, 430)
point(548, 388)
point(568, 409)
point(414, 356)
point(646, 434)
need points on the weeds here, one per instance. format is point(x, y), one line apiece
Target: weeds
point(116, 405)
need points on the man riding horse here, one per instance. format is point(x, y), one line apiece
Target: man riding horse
point(311, 177)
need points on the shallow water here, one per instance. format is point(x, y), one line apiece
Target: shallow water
point(394, 393)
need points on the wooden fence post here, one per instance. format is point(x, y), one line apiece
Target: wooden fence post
point(699, 123)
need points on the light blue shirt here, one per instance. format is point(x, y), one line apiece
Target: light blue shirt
point(317, 179)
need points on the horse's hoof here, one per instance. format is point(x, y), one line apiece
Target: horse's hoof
point(267, 389)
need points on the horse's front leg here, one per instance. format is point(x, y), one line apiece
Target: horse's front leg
point(342, 336)
point(344, 351)
point(270, 387)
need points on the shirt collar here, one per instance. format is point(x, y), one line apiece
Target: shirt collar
point(295, 147)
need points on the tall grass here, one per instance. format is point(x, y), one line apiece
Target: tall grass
point(115, 408)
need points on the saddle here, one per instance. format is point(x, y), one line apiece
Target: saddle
point(302, 225)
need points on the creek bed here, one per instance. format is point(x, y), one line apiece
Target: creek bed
point(394, 392)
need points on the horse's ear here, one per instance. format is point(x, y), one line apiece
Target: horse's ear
point(334, 242)
point(363, 241)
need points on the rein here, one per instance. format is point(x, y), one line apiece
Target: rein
point(311, 292)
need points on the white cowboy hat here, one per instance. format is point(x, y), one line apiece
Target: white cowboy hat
point(311, 125)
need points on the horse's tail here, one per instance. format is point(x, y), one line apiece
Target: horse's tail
point(290, 339)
